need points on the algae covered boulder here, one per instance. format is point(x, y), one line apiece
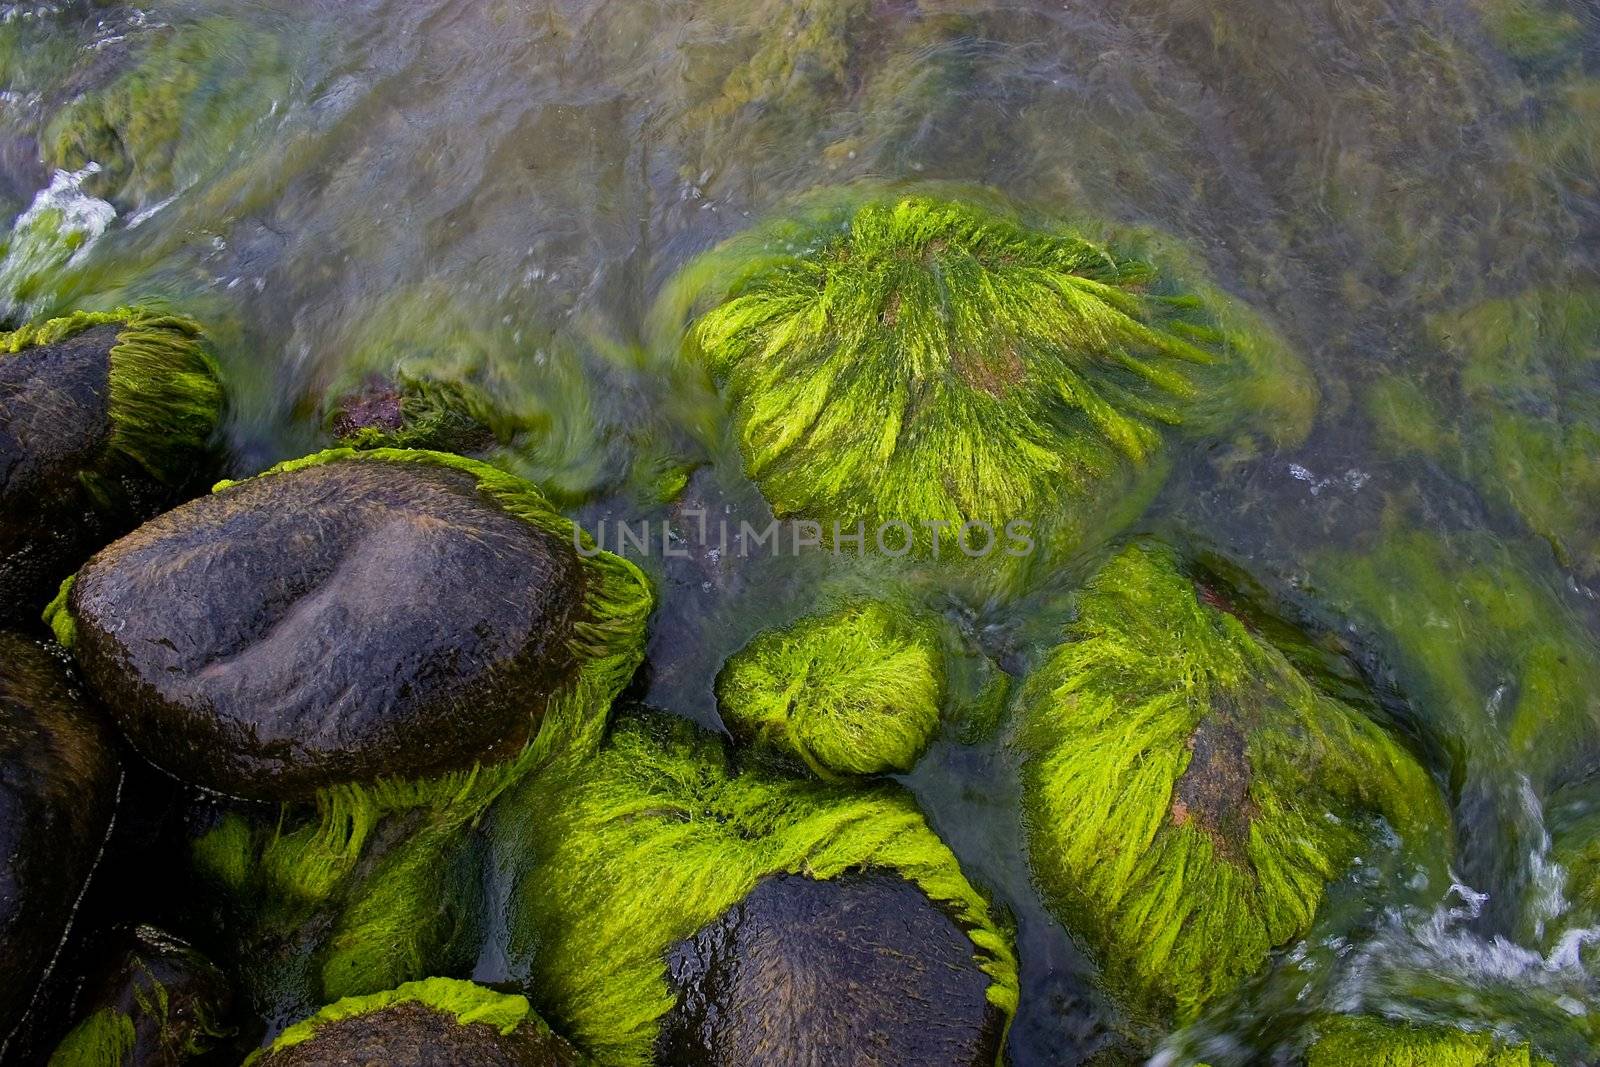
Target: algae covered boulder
point(159, 1003)
point(1189, 794)
point(940, 370)
point(105, 419)
point(422, 1024)
point(671, 907)
point(410, 412)
point(1356, 1041)
point(351, 617)
point(58, 787)
point(852, 691)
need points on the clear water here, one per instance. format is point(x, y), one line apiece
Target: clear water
point(498, 189)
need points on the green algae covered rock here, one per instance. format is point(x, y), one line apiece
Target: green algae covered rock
point(1481, 643)
point(410, 412)
point(1346, 1041)
point(105, 419)
point(906, 359)
point(854, 691)
point(355, 617)
point(1532, 436)
point(159, 1004)
point(58, 794)
point(422, 1024)
point(1189, 794)
point(636, 856)
point(177, 114)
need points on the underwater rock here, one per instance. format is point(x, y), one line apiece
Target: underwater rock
point(909, 360)
point(808, 972)
point(1479, 639)
point(422, 1024)
point(412, 412)
point(160, 1004)
point(1346, 1041)
point(855, 691)
point(105, 419)
point(1189, 793)
point(177, 114)
point(656, 841)
point(58, 789)
point(349, 617)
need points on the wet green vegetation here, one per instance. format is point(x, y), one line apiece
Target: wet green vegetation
point(1276, 322)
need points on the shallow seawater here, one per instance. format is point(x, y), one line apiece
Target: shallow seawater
point(1408, 189)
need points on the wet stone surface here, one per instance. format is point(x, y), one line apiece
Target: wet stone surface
point(58, 787)
point(863, 968)
point(332, 624)
point(54, 422)
point(412, 1034)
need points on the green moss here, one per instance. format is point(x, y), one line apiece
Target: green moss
point(1534, 420)
point(392, 913)
point(178, 114)
point(903, 358)
point(1189, 794)
point(1347, 1041)
point(1406, 419)
point(855, 691)
point(165, 399)
point(466, 370)
point(632, 850)
point(1530, 30)
point(466, 1003)
point(105, 1039)
point(1488, 654)
point(444, 416)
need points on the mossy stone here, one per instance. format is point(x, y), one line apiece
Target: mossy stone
point(1356, 1041)
point(627, 854)
point(860, 969)
point(105, 419)
point(1189, 794)
point(422, 1024)
point(914, 359)
point(58, 787)
point(342, 621)
point(852, 691)
point(159, 1003)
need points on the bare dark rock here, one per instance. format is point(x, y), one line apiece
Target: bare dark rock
point(58, 787)
point(332, 624)
point(863, 968)
point(412, 1034)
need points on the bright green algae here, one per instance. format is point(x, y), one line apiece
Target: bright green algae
point(393, 914)
point(1189, 794)
point(623, 854)
point(165, 398)
point(466, 1003)
point(910, 359)
point(1347, 1041)
point(857, 690)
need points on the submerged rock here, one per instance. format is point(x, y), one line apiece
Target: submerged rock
point(1190, 794)
point(160, 1004)
point(855, 691)
point(908, 360)
point(105, 419)
point(351, 617)
point(409, 412)
point(422, 1024)
point(58, 788)
point(753, 886)
point(1346, 1041)
point(808, 972)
